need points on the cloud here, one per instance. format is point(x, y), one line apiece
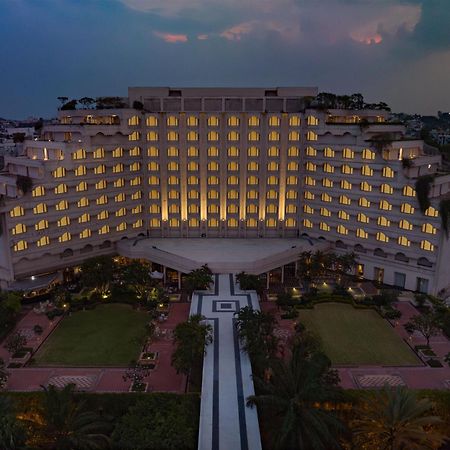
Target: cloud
point(236, 32)
point(171, 38)
point(202, 37)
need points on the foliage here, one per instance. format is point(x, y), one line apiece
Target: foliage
point(190, 338)
point(97, 273)
point(396, 419)
point(248, 282)
point(10, 306)
point(444, 212)
point(15, 342)
point(137, 374)
point(256, 333)
point(285, 300)
point(153, 423)
point(407, 163)
point(327, 100)
point(69, 106)
point(38, 329)
point(64, 424)
point(24, 183)
point(4, 375)
point(109, 103)
point(425, 324)
point(198, 279)
point(12, 432)
point(295, 394)
point(138, 105)
point(86, 101)
point(423, 187)
point(136, 274)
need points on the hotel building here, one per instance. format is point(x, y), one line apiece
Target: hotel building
point(225, 163)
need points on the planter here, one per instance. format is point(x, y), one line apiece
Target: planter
point(138, 387)
point(426, 354)
point(148, 359)
point(21, 357)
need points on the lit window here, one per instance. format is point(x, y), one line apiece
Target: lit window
point(253, 121)
point(214, 136)
point(118, 168)
point(213, 209)
point(233, 166)
point(80, 171)
point(98, 153)
point(308, 195)
point(312, 121)
point(311, 151)
point(346, 185)
point(328, 168)
point(328, 152)
point(293, 152)
point(172, 121)
point(152, 136)
point(79, 154)
point(103, 215)
point(17, 211)
point(136, 181)
point(154, 208)
point(173, 180)
point(361, 233)
point(104, 229)
point(232, 209)
point(326, 182)
point(326, 197)
point(252, 180)
point(272, 194)
point(428, 228)
point(233, 121)
point(193, 222)
point(100, 169)
point(292, 166)
point(311, 136)
point(133, 121)
point(294, 121)
point(136, 195)
point(63, 222)
point(382, 237)
point(431, 212)
point(274, 121)
point(21, 245)
point(194, 209)
point(274, 136)
point(192, 152)
point(344, 200)
point(62, 205)
point(427, 245)
point(253, 136)
point(121, 212)
point(213, 121)
point(135, 151)
point(61, 189)
point(213, 166)
point(405, 225)
point(341, 229)
point(213, 222)
point(19, 229)
point(213, 180)
point(310, 167)
point(271, 208)
point(173, 194)
point(213, 151)
point(367, 171)
point(272, 166)
point(291, 180)
point(84, 201)
point(361, 217)
point(252, 166)
point(102, 200)
point(84, 218)
point(172, 136)
point(233, 194)
point(324, 227)
point(343, 215)
point(192, 180)
point(233, 151)
point(384, 204)
point(402, 240)
point(273, 151)
point(100, 185)
point(407, 208)
point(118, 152)
point(325, 212)
point(253, 151)
point(252, 195)
point(135, 136)
point(364, 202)
point(251, 222)
point(192, 121)
point(291, 222)
point(272, 180)
point(387, 172)
point(386, 189)
point(346, 169)
point(153, 194)
point(40, 208)
point(271, 222)
point(81, 186)
point(155, 223)
point(152, 121)
point(65, 237)
point(85, 233)
point(348, 153)
point(368, 154)
point(134, 167)
point(153, 180)
point(291, 194)
point(122, 226)
point(310, 181)
point(120, 182)
point(252, 208)
point(307, 223)
point(383, 222)
point(291, 209)
point(232, 222)
point(212, 194)
point(59, 172)
point(119, 197)
point(365, 186)
point(153, 152)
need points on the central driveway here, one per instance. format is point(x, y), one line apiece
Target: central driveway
point(225, 422)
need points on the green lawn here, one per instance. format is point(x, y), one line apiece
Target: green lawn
point(356, 336)
point(109, 335)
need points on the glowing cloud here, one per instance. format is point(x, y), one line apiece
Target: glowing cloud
point(171, 38)
point(202, 37)
point(236, 32)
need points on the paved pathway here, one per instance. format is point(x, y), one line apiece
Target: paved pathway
point(225, 421)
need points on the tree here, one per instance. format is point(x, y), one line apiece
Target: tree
point(63, 100)
point(343, 264)
point(15, 342)
point(12, 433)
point(4, 374)
point(64, 424)
point(295, 396)
point(97, 273)
point(256, 333)
point(425, 324)
point(198, 279)
point(69, 106)
point(396, 420)
point(86, 101)
point(137, 275)
point(24, 183)
point(191, 338)
point(10, 306)
point(248, 282)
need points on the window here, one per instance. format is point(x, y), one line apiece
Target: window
point(192, 152)
point(193, 208)
point(311, 136)
point(310, 181)
point(84, 218)
point(291, 180)
point(348, 153)
point(427, 245)
point(81, 186)
point(431, 212)
point(361, 217)
point(83, 202)
point(99, 153)
point(38, 191)
point(119, 197)
point(307, 223)
point(324, 227)
point(233, 121)
point(153, 194)
point(213, 222)
point(63, 222)
point(252, 180)
point(232, 222)
point(294, 121)
point(346, 169)
point(172, 151)
point(253, 151)
point(233, 151)
point(409, 191)
point(344, 200)
point(172, 121)
point(123, 226)
point(100, 185)
point(386, 189)
point(292, 195)
point(253, 121)
point(428, 228)
point(62, 205)
point(294, 136)
point(366, 171)
point(118, 152)
point(385, 205)
point(213, 194)
point(233, 166)
point(135, 136)
point(291, 222)
point(172, 166)
point(103, 215)
point(85, 233)
point(271, 222)
point(172, 136)
point(273, 151)
point(213, 180)
point(232, 209)
point(292, 166)
point(118, 168)
point(271, 208)
point(120, 182)
point(253, 136)
point(346, 185)
point(192, 121)
point(153, 180)
point(274, 136)
point(102, 200)
point(312, 121)
point(252, 166)
point(325, 212)
point(65, 237)
point(311, 151)
point(40, 208)
point(136, 195)
point(152, 121)
point(341, 229)
point(80, 171)
point(382, 237)
point(133, 121)
point(361, 233)
point(153, 152)
point(405, 225)
point(233, 194)
point(364, 202)
point(136, 181)
point(383, 222)
point(368, 154)
point(192, 180)
point(155, 223)
point(59, 172)
point(99, 169)
point(402, 240)
point(173, 194)
point(17, 211)
point(310, 167)
point(251, 222)
point(104, 229)
point(272, 166)
point(252, 195)
point(19, 229)
point(121, 212)
point(272, 194)
point(293, 152)
point(272, 180)
point(193, 222)
point(326, 182)
point(154, 208)
point(213, 151)
point(213, 209)
point(407, 208)
point(135, 151)
point(308, 210)
point(193, 194)
point(387, 172)
point(213, 121)
point(326, 197)
point(274, 121)
point(328, 168)
point(214, 136)
point(328, 152)
point(79, 154)
point(291, 209)
point(21, 245)
point(61, 189)
point(343, 215)
point(152, 136)
point(172, 180)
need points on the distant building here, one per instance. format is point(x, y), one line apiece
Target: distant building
point(207, 162)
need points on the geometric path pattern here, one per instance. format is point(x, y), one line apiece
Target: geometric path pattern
point(81, 382)
point(378, 381)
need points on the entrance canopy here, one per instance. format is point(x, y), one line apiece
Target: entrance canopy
point(254, 256)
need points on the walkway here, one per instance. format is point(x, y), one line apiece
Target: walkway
point(225, 422)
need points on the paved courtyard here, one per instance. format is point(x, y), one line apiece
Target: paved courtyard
point(225, 421)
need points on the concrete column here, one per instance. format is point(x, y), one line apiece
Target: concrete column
point(164, 275)
point(179, 280)
point(268, 280)
point(282, 274)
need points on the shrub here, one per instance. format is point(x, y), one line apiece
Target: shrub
point(38, 329)
point(392, 314)
point(434, 363)
point(292, 314)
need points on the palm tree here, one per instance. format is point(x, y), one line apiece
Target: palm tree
point(396, 420)
point(12, 434)
point(67, 426)
point(295, 395)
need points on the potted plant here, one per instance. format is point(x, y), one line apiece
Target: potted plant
point(137, 374)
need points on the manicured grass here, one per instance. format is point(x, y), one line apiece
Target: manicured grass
point(357, 336)
point(109, 335)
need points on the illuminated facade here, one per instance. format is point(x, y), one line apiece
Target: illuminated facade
point(228, 162)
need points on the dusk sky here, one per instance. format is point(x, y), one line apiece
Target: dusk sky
point(396, 51)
